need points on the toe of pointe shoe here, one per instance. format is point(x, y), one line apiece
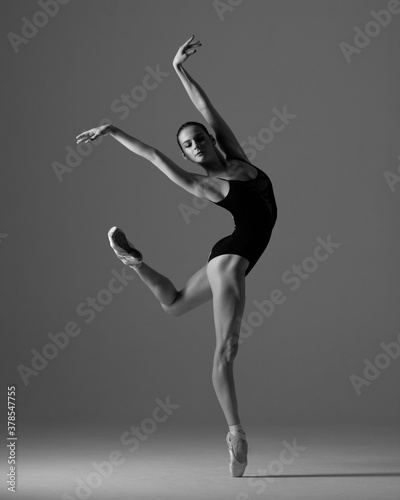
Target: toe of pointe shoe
point(111, 233)
point(118, 242)
point(116, 237)
point(237, 468)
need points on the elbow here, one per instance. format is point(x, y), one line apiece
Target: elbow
point(153, 155)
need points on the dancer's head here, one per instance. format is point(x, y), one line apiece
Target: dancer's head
point(192, 138)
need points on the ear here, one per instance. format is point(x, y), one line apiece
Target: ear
point(184, 156)
point(213, 139)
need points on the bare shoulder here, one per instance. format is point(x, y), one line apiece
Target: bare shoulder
point(240, 170)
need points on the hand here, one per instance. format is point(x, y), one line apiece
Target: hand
point(93, 133)
point(185, 51)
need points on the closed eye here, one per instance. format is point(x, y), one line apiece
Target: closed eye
point(200, 135)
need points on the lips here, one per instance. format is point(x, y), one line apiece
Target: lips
point(200, 153)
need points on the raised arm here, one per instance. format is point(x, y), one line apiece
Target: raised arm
point(225, 137)
point(189, 181)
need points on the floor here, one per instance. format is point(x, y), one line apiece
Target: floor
point(296, 462)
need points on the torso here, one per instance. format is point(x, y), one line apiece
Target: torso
point(217, 188)
point(247, 193)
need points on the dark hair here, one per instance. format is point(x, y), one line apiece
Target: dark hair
point(189, 124)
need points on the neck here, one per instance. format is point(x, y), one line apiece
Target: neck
point(215, 166)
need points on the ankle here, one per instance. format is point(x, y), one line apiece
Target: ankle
point(137, 266)
point(237, 430)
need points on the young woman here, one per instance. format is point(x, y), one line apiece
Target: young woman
point(234, 184)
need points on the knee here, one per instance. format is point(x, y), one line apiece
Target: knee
point(228, 350)
point(174, 308)
point(171, 310)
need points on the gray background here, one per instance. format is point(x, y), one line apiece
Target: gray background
point(327, 167)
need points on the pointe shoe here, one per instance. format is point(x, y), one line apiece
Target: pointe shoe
point(238, 454)
point(124, 249)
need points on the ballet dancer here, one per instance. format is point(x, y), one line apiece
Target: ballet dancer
point(230, 182)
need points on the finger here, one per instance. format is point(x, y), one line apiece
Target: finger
point(193, 45)
point(95, 135)
point(190, 52)
point(87, 137)
point(188, 41)
point(83, 134)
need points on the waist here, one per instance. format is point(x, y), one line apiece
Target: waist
point(247, 221)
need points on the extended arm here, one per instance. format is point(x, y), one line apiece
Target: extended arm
point(189, 181)
point(135, 145)
point(224, 135)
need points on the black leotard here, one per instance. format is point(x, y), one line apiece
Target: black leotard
point(253, 207)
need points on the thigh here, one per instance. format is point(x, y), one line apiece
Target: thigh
point(196, 291)
point(226, 274)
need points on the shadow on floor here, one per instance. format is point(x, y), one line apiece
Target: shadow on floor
point(363, 474)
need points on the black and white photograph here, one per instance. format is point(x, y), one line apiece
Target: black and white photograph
point(199, 250)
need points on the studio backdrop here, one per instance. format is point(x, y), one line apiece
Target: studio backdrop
point(310, 89)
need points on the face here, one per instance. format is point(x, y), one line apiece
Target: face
point(196, 144)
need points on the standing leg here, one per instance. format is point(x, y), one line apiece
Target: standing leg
point(226, 275)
